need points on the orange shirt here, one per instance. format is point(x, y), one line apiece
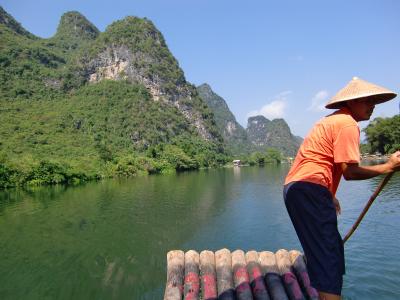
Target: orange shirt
point(333, 140)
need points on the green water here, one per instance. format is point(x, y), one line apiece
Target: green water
point(109, 239)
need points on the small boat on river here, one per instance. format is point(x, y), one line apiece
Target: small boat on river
point(237, 275)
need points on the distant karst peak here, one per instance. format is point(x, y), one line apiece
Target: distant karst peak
point(8, 20)
point(74, 24)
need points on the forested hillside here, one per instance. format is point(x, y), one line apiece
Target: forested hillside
point(86, 104)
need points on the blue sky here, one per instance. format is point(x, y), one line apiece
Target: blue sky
point(276, 58)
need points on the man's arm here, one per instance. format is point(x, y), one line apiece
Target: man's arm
point(357, 172)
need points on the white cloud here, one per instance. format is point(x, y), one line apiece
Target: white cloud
point(274, 109)
point(318, 101)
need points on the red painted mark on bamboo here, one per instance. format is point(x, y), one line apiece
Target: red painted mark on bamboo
point(210, 289)
point(242, 277)
point(258, 280)
point(241, 274)
point(256, 272)
point(192, 286)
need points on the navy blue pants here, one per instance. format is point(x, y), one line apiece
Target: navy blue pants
point(313, 215)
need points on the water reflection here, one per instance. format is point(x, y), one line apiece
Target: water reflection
point(236, 172)
point(108, 239)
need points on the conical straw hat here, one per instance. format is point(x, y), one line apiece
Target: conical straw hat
point(358, 88)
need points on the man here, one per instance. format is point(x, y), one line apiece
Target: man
point(331, 150)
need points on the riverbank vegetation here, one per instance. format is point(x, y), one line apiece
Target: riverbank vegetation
point(163, 158)
point(382, 135)
point(110, 129)
point(258, 158)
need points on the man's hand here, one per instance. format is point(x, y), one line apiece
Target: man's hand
point(394, 161)
point(353, 171)
point(337, 206)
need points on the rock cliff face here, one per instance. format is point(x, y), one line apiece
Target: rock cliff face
point(135, 51)
point(118, 62)
point(276, 133)
point(232, 132)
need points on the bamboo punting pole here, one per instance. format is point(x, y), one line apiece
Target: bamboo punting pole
point(272, 276)
point(207, 279)
point(289, 279)
point(175, 266)
point(192, 282)
point(256, 278)
point(368, 205)
point(223, 262)
point(240, 276)
point(300, 269)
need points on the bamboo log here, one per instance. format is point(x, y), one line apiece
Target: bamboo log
point(175, 265)
point(207, 271)
point(289, 279)
point(223, 262)
point(300, 269)
point(263, 275)
point(240, 276)
point(256, 278)
point(191, 287)
point(272, 276)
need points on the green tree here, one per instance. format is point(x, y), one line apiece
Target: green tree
point(383, 134)
point(274, 155)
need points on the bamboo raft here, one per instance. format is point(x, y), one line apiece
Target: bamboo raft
point(238, 275)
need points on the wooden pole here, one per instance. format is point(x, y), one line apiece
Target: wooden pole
point(207, 271)
point(300, 269)
point(289, 279)
point(223, 262)
point(256, 278)
point(368, 205)
point(191, 287)
point(240, 276)
point(175, 265)
point(271, 275)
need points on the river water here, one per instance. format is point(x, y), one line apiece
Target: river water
point(109, 239)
